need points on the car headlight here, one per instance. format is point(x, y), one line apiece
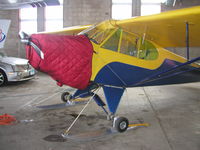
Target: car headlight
point(29, 66)
point(14, 68)
point(20, 68)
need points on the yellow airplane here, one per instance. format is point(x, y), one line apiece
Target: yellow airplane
point(117, 54)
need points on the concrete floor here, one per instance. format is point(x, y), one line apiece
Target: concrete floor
point(173, 113)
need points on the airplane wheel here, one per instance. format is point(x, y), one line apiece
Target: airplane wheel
point(66, 96)
point(120, 124)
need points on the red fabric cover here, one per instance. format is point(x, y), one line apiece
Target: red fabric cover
point(67, 59)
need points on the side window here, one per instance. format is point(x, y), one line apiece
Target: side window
point(113, 42)
point(128, 44)
point(147, 50)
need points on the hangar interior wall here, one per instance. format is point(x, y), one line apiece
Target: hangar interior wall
point(79, 12)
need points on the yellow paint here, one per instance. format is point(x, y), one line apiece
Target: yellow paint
point(139, 125)
point(80, 99)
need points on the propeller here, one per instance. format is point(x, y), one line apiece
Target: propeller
point(25, 38)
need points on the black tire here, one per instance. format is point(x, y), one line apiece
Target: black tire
point(3, 78)
point(66, 96)
point(120, 124)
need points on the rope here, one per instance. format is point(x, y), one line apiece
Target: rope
point(66, 132)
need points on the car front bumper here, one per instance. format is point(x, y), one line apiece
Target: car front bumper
point(21, 76)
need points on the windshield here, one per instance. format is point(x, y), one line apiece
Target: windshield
point(98, 33)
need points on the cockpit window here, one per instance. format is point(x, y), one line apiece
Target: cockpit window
point(138, 47)
point(113, 42)
point(128, 44)
point(147, 50)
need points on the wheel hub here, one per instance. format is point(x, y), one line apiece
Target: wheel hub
point(123, 125)
point(1, 78)
point(67, 97)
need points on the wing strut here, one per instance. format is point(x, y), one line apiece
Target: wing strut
point(170, 72)
point(187, 41)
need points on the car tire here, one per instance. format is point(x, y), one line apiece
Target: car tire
point(3, 78)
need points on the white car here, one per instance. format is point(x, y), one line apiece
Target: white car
point(15, 69)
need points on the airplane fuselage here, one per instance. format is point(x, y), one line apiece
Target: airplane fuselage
point(116, 69)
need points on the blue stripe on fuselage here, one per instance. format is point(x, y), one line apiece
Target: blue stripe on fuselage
point(124, 75)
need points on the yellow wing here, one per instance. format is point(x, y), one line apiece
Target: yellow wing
point(167, 29)
point(69, 30)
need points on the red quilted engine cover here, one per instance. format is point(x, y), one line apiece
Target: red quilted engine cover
point(67, 59)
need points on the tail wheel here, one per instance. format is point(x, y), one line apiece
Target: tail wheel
point(3, 78)
point(66, 96)
point(120, 124)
